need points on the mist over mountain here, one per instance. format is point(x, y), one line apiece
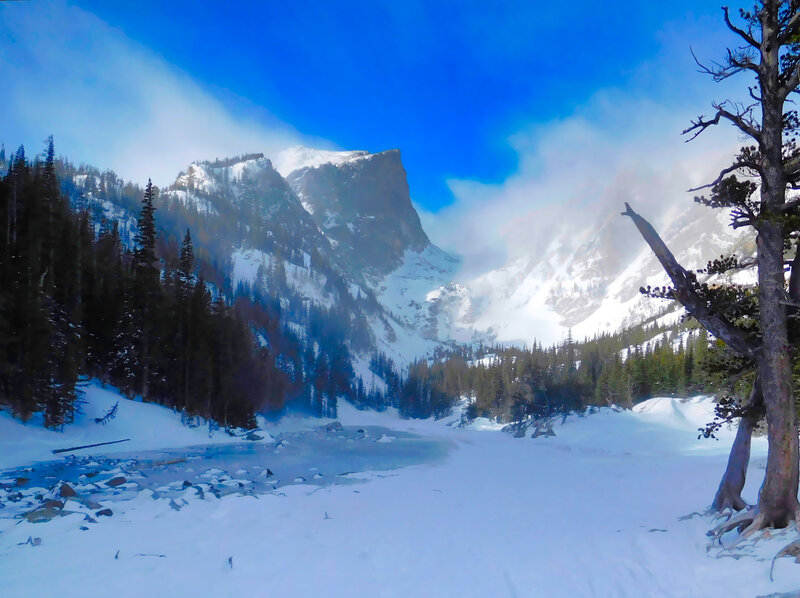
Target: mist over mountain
point(337, 232)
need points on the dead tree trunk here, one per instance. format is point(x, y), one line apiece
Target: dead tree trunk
point(729, 493)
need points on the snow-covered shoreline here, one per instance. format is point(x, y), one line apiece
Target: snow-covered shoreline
point(596, 511)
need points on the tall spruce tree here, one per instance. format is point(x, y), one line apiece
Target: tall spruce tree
point(146, 289)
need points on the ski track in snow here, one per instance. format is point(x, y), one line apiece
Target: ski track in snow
point(592, 512)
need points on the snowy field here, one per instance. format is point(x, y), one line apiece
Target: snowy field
point(394, 508)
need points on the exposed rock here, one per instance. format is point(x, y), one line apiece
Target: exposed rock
point(365, 207)
point(334, 427)
point(114, 482)
point(45, 514)
point(516, 429)
point(66, 491)
point(53, 504)
point(104, 513)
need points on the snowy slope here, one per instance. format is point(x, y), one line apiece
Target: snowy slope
point(148, 426)
point(587, 280)
point(406, 291)
point(597, 511)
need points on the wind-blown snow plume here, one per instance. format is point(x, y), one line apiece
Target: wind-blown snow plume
point(111, 102)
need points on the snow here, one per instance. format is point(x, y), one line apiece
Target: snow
point(202, 205)
point(587, 280)
point(148, 426)
point(406, 292)
point(297, 157)
point(595, 511)
point(246, 263)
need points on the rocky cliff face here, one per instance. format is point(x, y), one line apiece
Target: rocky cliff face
point(363, 206)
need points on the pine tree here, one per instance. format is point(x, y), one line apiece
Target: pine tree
point(184, 313)
point(146, 288)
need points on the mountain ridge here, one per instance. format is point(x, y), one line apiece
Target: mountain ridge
point(344, 228)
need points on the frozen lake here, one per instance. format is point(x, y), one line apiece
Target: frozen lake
point(319, 457)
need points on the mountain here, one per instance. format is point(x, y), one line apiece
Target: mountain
point(586, 280)
point(362, 204)
point(335, 247)
point(333, 236)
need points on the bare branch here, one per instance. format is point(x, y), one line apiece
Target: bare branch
point(743, 216)
point(742, 222)
point(687, 295)
point(740, 32)
point(740, 62)
point(737, 119)
point(736, 63)
point(742, 164)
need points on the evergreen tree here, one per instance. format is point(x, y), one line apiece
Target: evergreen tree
point(146, 290)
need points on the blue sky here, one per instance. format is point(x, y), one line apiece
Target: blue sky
point(485, 100)
point(444, 81)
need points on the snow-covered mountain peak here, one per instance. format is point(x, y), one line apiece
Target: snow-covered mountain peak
point(298, 157)
point(587, 280)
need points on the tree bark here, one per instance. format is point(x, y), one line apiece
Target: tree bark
point(777, 500)
point(729, 493)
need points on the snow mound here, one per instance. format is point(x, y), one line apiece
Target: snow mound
point(680, 413)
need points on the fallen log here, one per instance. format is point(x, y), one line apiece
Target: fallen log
point(75, 448)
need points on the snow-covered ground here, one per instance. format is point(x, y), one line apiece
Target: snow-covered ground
point(595, 511)
point(148, 426)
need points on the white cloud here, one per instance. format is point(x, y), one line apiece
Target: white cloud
point(577, 172)
point(110, 102)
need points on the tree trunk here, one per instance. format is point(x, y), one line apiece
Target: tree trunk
point(777, 500)
point(729, 493)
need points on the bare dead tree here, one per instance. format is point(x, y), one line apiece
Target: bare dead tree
point(756, 188)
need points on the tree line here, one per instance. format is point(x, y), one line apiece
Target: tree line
point(75, 301)
point(512, 383)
